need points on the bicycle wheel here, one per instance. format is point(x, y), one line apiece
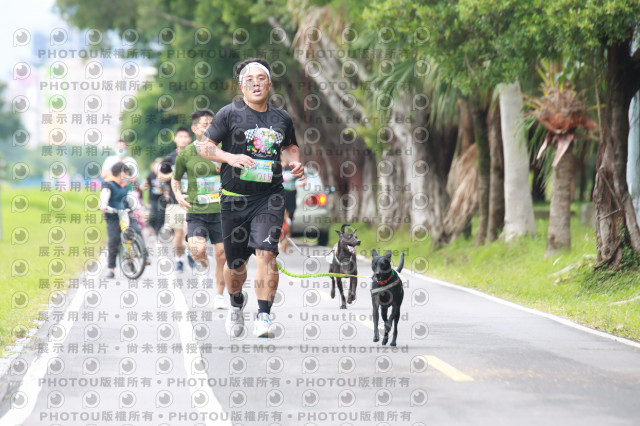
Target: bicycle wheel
point(132, 261)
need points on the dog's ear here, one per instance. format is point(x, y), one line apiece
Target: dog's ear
point(374, 253)
point(388, 254)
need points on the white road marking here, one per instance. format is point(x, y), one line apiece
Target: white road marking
point(324, 295)
point(186, 330)
point(514, 305)
point(30, 385)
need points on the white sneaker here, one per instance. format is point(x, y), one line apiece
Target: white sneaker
point(218, 302)
point(262, 326)
point(234, 323)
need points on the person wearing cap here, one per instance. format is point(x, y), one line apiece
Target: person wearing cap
point(247, 137)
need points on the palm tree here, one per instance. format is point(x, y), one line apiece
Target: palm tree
point(562, 111)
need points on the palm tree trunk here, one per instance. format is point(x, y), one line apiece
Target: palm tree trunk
point(559, 236)
point(479, 115)
point(465, 126)
point(518, 207)
point(496, 183)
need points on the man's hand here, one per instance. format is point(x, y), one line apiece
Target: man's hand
point(182, 199)
point(297, 169)
point(240, 161)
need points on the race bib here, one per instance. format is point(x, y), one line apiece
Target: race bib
point(261, 172)
point(207, 189)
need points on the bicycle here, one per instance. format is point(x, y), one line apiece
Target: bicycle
point(132, 254)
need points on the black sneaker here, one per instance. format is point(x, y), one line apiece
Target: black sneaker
point(180, 267)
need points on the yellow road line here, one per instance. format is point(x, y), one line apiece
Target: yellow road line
point(446, 369)
point(433, 361)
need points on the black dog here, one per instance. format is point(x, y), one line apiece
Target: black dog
point(386, 290)
point(344, 262)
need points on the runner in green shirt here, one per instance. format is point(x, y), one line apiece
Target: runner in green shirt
point(199, 193)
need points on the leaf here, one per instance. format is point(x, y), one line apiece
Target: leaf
point(562, 145)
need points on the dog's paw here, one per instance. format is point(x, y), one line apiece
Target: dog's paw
point(384, 341)
point(376, 339)
point(333, 293)
point(351, 299)
point(343, 306)
point(392, 344)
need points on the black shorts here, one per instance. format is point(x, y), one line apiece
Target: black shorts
point(205, 225)
point(251, 223)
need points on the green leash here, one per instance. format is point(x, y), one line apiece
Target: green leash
point(324, 274)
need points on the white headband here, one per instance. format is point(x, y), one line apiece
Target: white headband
point(251, 64)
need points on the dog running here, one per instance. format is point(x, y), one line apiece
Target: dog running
point(344, 262)
point(386, 290)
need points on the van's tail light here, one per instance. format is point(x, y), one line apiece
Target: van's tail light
point(316, 200)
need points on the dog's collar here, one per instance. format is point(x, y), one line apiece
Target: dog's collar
point(385, 287)
point(388, 279)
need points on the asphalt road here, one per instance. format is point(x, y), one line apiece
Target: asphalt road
point(155, 353)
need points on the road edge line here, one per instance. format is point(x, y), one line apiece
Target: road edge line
point(547, 315)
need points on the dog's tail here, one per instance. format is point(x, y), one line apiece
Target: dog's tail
point(401, 265)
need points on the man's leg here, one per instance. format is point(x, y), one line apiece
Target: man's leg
point(178, 244)
point(235, 278)
point(266, 281)
point(235, 239)
point(265, 233)
point(198, 248)
point(220, 263)
point(174, 218)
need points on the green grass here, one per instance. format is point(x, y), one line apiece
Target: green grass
point(38, 282)
point(519, 272)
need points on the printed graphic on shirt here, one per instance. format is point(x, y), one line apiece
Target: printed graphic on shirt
point(208, 189)
point(262, 141)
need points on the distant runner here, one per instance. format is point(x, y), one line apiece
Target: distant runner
point(202, 202)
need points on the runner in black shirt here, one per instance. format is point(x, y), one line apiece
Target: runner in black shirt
point(247, 137)
point(156, 200)
point(175, 214)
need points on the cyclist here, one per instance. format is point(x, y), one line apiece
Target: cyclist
point(113, 197)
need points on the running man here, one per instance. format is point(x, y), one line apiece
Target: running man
point(247, 137)
point(175, 214)
point(202, 202)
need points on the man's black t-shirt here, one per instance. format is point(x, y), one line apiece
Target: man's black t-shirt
point(260, 135)
point(167, 167)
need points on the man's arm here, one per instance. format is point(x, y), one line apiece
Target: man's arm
point(164, 176)
point(177, 192)
point(292, 154)
point(210, 150)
